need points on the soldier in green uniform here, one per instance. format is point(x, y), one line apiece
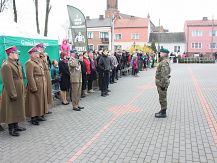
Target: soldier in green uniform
point(162, 82)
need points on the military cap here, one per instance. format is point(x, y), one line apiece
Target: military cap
point(163, 50)
point(12, 49)
point(40, 45)
point(33, 50)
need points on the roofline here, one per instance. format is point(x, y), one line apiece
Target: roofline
point(201, 25)
point(99, 26)
point(131, 27)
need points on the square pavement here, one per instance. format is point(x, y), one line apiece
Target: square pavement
point(121, 127)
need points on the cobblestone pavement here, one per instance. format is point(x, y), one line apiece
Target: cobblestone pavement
point(122, 128)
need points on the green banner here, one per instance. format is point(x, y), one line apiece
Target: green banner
point(78, 29)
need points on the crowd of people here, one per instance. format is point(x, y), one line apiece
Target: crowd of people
point(74, 74)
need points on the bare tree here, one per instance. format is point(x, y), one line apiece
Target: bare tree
point(48, 8)
point(36, 16)
point(3, 5)
point(15, 10)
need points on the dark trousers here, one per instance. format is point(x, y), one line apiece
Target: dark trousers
point(84, 81)
point(116, 73)
point(100, 79)
point(89, 82)
point(105, 81)
point(112, 78)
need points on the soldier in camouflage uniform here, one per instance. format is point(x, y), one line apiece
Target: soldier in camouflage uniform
point(162, 82)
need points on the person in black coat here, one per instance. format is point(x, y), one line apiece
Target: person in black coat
point(84, 75)
point(104, 66)
point(100, 74)
point(64, 77)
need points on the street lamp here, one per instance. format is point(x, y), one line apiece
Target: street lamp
point(113, 33)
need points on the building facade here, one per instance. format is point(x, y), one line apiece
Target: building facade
point(99, 33)
point(201, 36)
point(130, 31)
point(173, 41)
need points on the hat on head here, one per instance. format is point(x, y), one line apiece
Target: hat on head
point(40, 45)
point(163, 50)
point(12, 49)
point(33, 50)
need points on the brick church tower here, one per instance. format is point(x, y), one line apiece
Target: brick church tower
point(112, 8)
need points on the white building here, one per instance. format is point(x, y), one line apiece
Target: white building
point(173, 41)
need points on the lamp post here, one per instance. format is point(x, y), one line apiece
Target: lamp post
point(212, 36)
point(113, 34)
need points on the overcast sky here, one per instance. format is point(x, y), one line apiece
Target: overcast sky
point(172, 13)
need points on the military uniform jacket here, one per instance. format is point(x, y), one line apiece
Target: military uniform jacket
point(75, 71)
point(48, 79)
point(36, 97)
point(13, 102)
point(163, 74)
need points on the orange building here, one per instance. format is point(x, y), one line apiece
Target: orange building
point(131, 31)
point(128, 30)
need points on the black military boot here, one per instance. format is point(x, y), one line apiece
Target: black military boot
point(1, 128)
point(34, 121)
point(42, 118)
point(18, 128)
point(12, 131)
point(76, 109)
point(80, 107)
point(161, 114)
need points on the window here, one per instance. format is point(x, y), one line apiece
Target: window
point(213, 45)
point(135, 36)
point(89, 35)
point(90, 47)
point(118, 47)
point(213, 33)
point(176, 48)
point(117, 36)
point(197, 33)
point(196, 45)
point(103, 47)
point(103, 35)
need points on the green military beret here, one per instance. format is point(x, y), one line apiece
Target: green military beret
point(163, 50)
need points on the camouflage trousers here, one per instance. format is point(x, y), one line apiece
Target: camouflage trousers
point(162, 97)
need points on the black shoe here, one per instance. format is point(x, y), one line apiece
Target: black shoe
point(40, 119)
point(114, 82)
point(161, 114)
point(65, 103)
point(18, 128)
point(103, 95)
point(1, 128)
point(49, 112)
point(14, 132)
point(34, 122)
point(80, 107)
point(76, 109)
point(108, 90)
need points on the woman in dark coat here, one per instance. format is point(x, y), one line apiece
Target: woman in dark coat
point(64, 77)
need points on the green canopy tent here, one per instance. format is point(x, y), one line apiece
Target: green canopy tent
point(24, 44)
